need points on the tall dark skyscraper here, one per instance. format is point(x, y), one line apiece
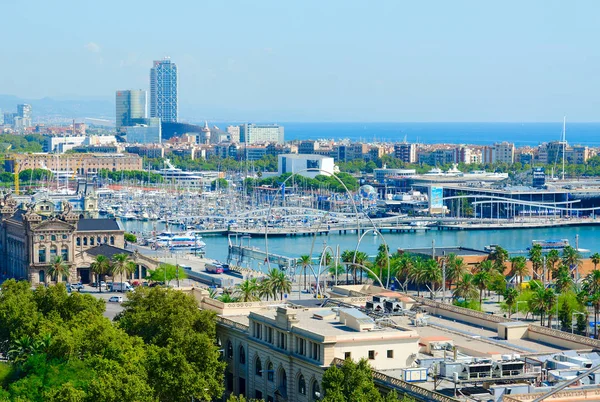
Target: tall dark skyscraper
point(163, 90)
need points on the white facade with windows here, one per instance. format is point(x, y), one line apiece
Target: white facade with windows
point(280, 355)
point(261, 133)
point(292, 163)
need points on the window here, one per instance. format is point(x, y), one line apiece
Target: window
point(53, 252)
point(229, 381)
point(78, 241)
point(242, 356)
point(347, 355)
point(270, 399)
point(270, 371)
point(301, 385)
point(64, 252)
point(390, 354)
point(315, 351)
point(98, 240)
point(85, 241)
point(42, 237)
point(281, 340)
point(301, 346)
point(229, 350)
point(91, 241)
point(371, 355)
point(282, 379)
point(112, 240)
point(258, 367)
point(257, 394)
point(316, 391)
point(53, 237)
point(270, 335)
point(105, 239)
point(42, 255)
point(64, 237)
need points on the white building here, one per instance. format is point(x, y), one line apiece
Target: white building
point(504, 152)
point(298, 163)
point(59, 144)
point(260, 133)
point(281, 354)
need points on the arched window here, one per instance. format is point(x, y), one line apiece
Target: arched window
point(242, 356)
point(282, 380)
point(316, 391)
point(42, 254)
point(98, 240)
point(78, 241)
point(105, 239)
point(53, 237)
point(85, 241)
point(301, 385)
point(91, 240)
point(64, 252)
point(258, 367)
point(53, 252)
point(270, 371)
point(42, 276)
point(229, 350)
point(112, 240)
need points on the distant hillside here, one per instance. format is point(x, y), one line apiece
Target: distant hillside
point(65, 108)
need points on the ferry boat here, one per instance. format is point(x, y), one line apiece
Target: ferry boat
point(178, 240)
point(551, 244)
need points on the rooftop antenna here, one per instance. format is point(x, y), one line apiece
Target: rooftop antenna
point(564, 144)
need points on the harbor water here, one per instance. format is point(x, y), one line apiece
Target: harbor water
point(514, 240)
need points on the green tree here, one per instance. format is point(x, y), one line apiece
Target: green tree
point(519, 268)
point(219, 184)
point(167, 272)
point(183, 359)
point(595, 258)
point(100, 267)
point(552, 258)
point(130, 238)
point(499, 256)
point(247, 290)
point(306, 263)
point(465, 288)
point(535, 256)
point(481, 280)
point(510, 299)
point(279, 282)
point(455, 269)
point(351, 382)
point(58, 269)
point(122, 264)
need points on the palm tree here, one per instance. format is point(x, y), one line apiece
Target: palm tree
point(519, 268)
point(403, 266)
point(265, 289)
point(100, 266)
point(304, 262)
point(550, 299)
point(382, 259)
point(465, 287)
point(510, 299)
point(535, 256)
point(481, 279)
point(122, 264)
point(538, 303)
point(227, 298)
point(552, 258)
point(455, 269)
point(595, 259)
point(247, 291)
point(279, 282)
point(564, 282)
point(415, 273)
point(432, 274)
point(591, 291)
point(360, 258)
point(499, 255)
point(571, 257)
point(58, 268)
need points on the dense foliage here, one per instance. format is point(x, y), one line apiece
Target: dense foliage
point(139, 175)
point(61, 347)
point(319, 182)
point(354, 382)
point(23, 143)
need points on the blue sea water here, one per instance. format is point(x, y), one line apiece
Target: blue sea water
point(521, 134)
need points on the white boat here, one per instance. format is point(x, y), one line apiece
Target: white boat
point(128, 216)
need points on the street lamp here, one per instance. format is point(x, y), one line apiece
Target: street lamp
point(573, 314)
point(521, 301)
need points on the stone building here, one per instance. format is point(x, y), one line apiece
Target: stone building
point(31, 238)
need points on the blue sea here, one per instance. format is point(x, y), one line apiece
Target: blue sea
point(521, 134)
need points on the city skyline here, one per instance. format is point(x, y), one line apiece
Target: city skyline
point(390, 61)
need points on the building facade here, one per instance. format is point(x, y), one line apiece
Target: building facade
point(406, 152)
point(163, 91)
point(32, 238)
point(130, 106)
point(148, 133)
point(259, 133)
point(79, 163)
point(504, 152)
point(299, 163)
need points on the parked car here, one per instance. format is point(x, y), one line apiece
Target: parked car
point(102, 284)
point(116, 299)
point(77, 286)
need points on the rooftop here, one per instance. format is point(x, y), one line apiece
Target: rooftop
point(84, 225)
point(439, 251)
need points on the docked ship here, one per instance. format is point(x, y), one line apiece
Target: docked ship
point(179, 240)
point(551, 244)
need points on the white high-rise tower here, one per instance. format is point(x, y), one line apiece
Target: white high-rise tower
point(163, 90)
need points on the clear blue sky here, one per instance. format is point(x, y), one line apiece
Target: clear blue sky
point(317, 60)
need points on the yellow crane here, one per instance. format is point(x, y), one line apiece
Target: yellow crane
point(77, 167)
